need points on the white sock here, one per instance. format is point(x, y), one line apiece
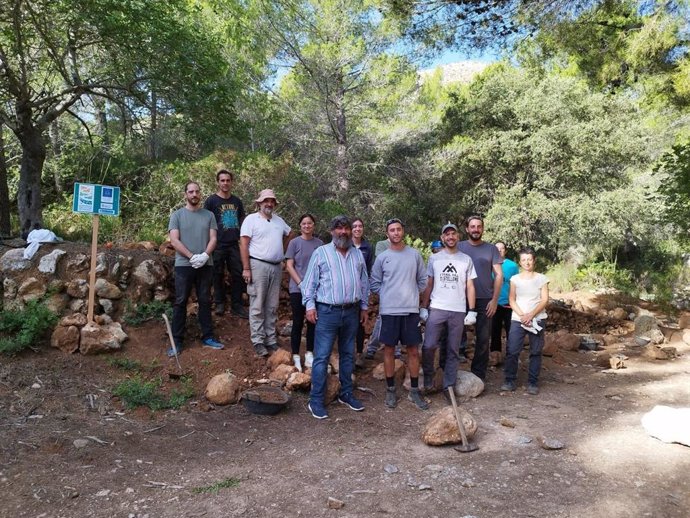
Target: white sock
point(297, 361)
point(308, 359)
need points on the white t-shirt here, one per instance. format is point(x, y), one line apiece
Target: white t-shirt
point(265, 236)
point(528, 293)
point(450, 273)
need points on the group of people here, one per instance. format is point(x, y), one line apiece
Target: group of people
point(464, 283)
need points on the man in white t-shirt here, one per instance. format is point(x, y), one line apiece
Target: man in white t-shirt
point(449, 292)
point(262, 249)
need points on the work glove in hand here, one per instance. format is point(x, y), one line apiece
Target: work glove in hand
point(423, 314)
point(471, 318)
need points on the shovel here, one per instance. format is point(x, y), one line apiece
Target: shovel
point(466, 446)
point(179, 372)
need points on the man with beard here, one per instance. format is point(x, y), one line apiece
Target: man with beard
point(193, 235)
point(229, 213)
point(486, 260)
point(398, 276)
point(262, 249)
point(449, 292)
point(335, 291)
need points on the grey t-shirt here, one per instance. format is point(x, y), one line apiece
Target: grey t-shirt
point(194, 226)
point(300, 250)
point(398, 276)
point(483, 256)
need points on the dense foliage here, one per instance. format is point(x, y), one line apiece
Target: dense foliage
point(576, 143)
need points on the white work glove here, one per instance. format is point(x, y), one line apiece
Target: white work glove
point(423, 314)
point(198, 260)
point(471, 318)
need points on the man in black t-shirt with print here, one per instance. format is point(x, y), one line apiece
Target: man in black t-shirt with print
point(229, 213)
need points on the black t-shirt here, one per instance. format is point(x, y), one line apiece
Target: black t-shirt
point(229, 215)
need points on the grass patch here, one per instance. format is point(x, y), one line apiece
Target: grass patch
point(135, 316)
point(135, 392)
point(125, 364)
point(20, 329)
point(229, 482)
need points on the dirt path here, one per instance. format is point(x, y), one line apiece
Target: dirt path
point(135, 463)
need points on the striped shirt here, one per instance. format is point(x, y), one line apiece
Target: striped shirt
point(332, 278)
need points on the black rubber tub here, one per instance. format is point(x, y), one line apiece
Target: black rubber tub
point(265, 400)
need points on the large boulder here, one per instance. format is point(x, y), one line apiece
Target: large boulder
point(298, 381)
point(149, 273)
point(65, 338)
point(78, 288)
point(644, 324)
point(31, 289)
point(468, 385)
point(99, 339)
point(223, 389)
point(107, 290)
point(443, 429)
point(562, 340)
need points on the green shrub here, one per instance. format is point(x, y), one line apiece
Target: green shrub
point(125, 364)
point(20, 329)
point(135, 392)
point(135, 316)
point(604, 274)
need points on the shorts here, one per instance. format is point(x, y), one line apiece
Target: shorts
point(400, 328)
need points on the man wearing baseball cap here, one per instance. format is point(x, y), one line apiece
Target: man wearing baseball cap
point(449, 292)
point(262, 250)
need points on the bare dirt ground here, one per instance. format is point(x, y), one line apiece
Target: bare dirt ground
point(139, 463)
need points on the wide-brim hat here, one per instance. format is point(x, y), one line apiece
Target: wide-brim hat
point(265, 194)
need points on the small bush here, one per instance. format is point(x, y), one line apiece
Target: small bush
point(20, 329)
point(135, 392)
point(125, 364)
point(145, 312)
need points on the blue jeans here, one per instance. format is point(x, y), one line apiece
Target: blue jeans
point(333, 323)
point(516, 338)
point(200, 279)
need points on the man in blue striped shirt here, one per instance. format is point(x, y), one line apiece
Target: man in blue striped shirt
point(335, 291)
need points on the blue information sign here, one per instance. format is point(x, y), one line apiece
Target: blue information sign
point(96, 199)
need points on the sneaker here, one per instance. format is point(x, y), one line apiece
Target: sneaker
point(171, 351)
point(272, 347)
point(220, 308)
point(317, 410)
point(260, 351)
point(297, 361)
point(415, 396)
point(239, 311)
point(508, 386)
point(213, 344)
point(308, 359)
point(391, 398)
point(351, 401)
point(532, 390)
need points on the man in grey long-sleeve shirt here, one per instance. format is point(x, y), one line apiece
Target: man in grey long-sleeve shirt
point(399, 276)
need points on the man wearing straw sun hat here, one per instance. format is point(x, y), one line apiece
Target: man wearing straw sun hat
point(262, 250)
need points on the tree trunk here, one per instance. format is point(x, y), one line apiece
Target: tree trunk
point(5, 227)
point(342, 166)
point(101, 119)
point(29, 200)
point(56, 147)
point(153, 139)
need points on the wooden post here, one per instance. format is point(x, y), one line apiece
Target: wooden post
point(92, 276)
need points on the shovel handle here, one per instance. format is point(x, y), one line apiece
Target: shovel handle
point(172, 341)
point(461, 427)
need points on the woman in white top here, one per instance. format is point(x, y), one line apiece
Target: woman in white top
point(529, 294)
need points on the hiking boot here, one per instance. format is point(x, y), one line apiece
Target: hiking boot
point(391, 397)
point(272, 347)
point(532, 390)
point(508, 386)
point(351, 401)
point(308, 359)
point(239, 311)
point(260, 351)
point(213, 344)
point(220, 308)
point(417, 399)
point(317, 410)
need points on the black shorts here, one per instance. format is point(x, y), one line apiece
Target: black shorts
point(400, 328)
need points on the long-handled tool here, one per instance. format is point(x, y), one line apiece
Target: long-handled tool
point(466, 446)
point(179, 372)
